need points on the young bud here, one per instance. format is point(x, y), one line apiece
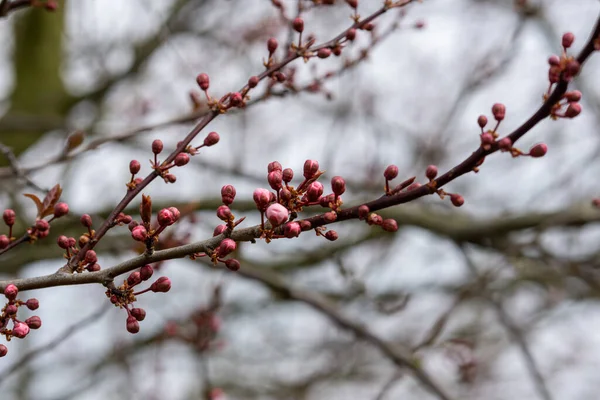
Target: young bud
point(253, 82)
point(505, 144)
point(487, 139)
point(275, 179)
point(165, 217)
point(305, 225)
point(457, 200)
point(203, 81)
point(324, 53)
point(389, 225)
point(20, 330)
point(60, 210)
point(219, 229)
point(132, 225)
point(181, 159)
point(482, 121)
point(325, 201)
point(9, 217)
point(211, 139)
point(34, 322)
point(338, 185)
point(262, 198)
point(90, 257)
point(135, 278)
point(573, 110)
point(363, 212)
point(330, 217)
point(352, 3)
point(139, 233)
point(41, 225)
point(227, 246)
point(3, 350)
point(567, 40)
point(431, 172)
point(134, 167)
point(314, 191)
point(236, 99)
point(63, 242)
point(170, 178)
point(32, 304)
point(351, 34)
point(228, 194)
point(499, 111)
point(374, 219)
point(133, 326)
point(93, 267)
point(298, 25)
point(146, 272)
point(311, 167)
point(162, 284)
point(11, 309)
point(285, 194)
point(554, 60)
point(573, 96)
point(86, 220)
point(224, 213)
point(274, 166)
point(138, 313)
point(331, 235)
point(391, 172)
point(288, 175)
point(272, 45)
point(4, 241)
point(539, 150)
point(232, 264)
point(292, 230)
point(157, 146)
point(277, 214)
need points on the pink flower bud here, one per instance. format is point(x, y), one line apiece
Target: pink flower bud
point(330, 216)
point(314, 191)
point(42, 225)
point(457, 200)
point(203, 81)
point(11, 309)
point(363, 212)
point(60, 210)
point(232, 264)
point(134, 167)
point(568, 39)
point(482, 121)
point(275, 179)
point(139, 233)
point(324, 52)
point(20, 330)
point(573, 110)
point(162, 284)
point(305, 225)
point(573, 68)
point(311, 167)
point(325, 201)
point(34, 322)
point(175, 212)
point(211, 139)
point(138, 313)
point(157, 146)
point(132, 225)
point(181, 159)
point(224, 213)
point(72, 242)
point(292, 230)
point(228, 194)
point(431, 172)
point(539, 150)
point(499, 111)
point(170, 178)
point(226, 247)
point(219, 229)
point(146, 272)
point(253, 82)
point(331, 235)
point(554, 60)
point(93, 267)
point(90, 257)
point(389, 225)
point(32, 304)
point(338, 185)
point(9, 217)
point(277, 214)
point(274, 166)
point(86, 220)
point(285, 195)
point(374, 219)
point(487, 139)
point(391, 172)
point(272, 45)
point(573, 96)
point(135, 278)
point(3, 350)
point(298, 25)
point(133, 326)
point(288, 175)
point(261, 197)
point(43, 234)
point(4, 241)
point(351, 34)
point(165, 217)
point(505, 144)
point(63, 242)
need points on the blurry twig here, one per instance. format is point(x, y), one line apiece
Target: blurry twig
point(16, 169)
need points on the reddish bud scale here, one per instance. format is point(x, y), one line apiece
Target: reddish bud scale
point(285, 194)
point(554, 60)
point(330, 216)
point(352, 3)
point(211, 139)
point(203, 81)
point(165, 217)
point(9, 217)
point(11, 309)
point(573, 96)
point(236, 99)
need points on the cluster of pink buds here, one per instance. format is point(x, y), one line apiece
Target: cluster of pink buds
point(565, 67)
point(281, 206)
point(19, 329)
point(229, 101)
point(124, 296)
point(144, 232)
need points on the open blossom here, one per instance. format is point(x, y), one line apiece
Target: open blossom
point(277, 214)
